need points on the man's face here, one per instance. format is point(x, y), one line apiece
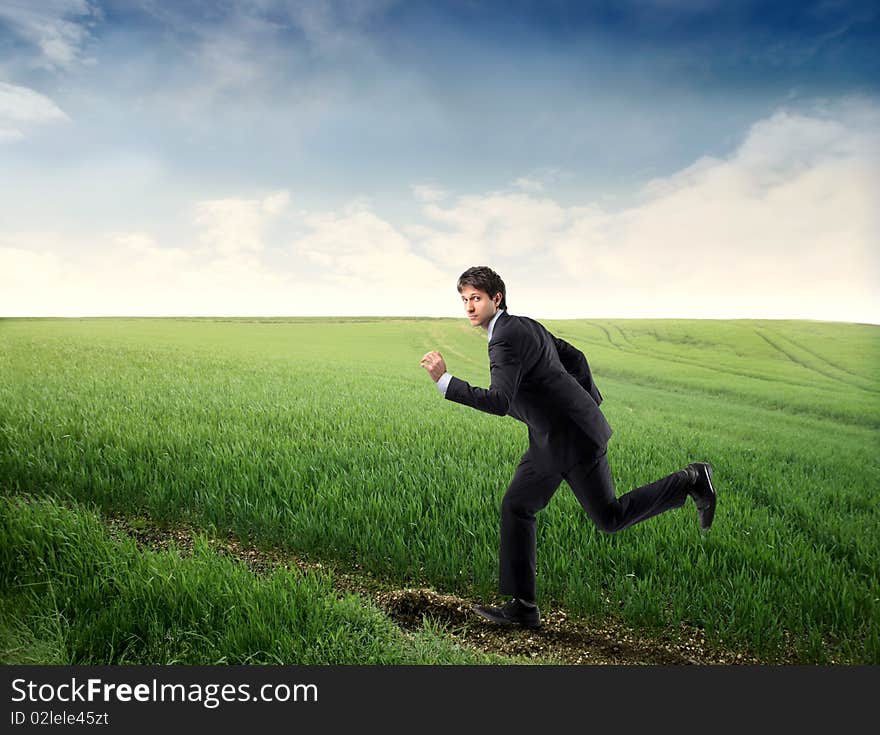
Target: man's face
point(478, 307)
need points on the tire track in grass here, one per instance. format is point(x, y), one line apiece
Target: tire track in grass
point(640, 379)
point(626, 340)
point(802, 363)
point(595, 324)
point(439, 342)
point(559, 640)
point(664, 357)
point(831, 364)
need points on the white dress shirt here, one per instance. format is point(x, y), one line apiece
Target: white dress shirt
point(443, 382)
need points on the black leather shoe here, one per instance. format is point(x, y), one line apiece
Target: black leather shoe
point(513, 613)
point(703, 492)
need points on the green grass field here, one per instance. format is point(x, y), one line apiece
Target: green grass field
point(325, 437)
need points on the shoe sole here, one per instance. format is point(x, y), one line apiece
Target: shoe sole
point(504, 621)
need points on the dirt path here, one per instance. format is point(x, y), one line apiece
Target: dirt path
point(560, 640)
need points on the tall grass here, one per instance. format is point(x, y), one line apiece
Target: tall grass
point(73, 595)
point(326, 437)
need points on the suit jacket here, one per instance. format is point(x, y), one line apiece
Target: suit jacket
point(546, 383)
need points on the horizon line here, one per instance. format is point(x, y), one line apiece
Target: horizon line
point(417, 317)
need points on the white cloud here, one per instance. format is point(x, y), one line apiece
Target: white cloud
point(785, 226)
point(57, 28)
point(351, 262)
point(10, 135)
point(21, 104)
point(130, 274)
point(22, 269)
point(21, 107)
point(285, 60)
point(540, 179)
point(276, 203)
point(334, 26)
point(231, 226)
point(498, 223)
point(368, 256)
point(429, 193)
point(527, 184)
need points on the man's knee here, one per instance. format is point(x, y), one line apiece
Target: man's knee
point(607, 521)
point(520, 506)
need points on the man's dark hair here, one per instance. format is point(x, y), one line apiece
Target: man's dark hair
point(482, 277)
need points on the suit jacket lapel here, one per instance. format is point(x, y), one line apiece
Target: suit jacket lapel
point(502, 318)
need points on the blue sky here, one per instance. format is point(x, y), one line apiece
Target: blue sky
point(659, 158)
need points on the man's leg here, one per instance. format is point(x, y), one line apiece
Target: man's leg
point(593, 486)
point(529, 491)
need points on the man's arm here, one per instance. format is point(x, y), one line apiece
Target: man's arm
point(575, 362)
point(505, 369)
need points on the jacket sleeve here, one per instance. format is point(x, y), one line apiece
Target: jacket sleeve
point(575, 363)
point(506, 371)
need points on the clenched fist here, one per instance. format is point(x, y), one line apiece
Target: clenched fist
point(435, 365)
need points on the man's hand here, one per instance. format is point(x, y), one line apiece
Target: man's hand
point(435, 365)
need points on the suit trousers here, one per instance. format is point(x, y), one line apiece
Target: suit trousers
point(531, 489)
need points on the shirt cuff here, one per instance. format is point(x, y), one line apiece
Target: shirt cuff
point(443, 383)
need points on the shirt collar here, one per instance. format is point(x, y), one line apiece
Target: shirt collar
point(494, 319)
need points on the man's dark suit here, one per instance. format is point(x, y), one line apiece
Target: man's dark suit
point(546, 383)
